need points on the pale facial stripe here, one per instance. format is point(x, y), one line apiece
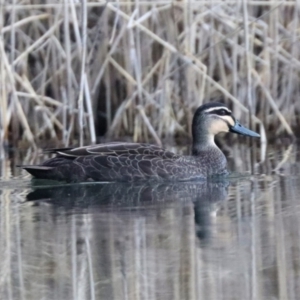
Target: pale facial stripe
point(228, 119)
point(221, 124)
point(217, 108)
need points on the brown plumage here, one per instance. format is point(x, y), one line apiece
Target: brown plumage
point(143, 162)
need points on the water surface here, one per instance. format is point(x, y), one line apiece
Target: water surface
point(231, 239)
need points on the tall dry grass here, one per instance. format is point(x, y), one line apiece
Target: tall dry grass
point(74, 70)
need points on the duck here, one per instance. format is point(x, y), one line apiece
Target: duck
point(137, 162)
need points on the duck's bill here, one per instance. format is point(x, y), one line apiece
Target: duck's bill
point(240, 129)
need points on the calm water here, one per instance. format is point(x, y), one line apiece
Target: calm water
point(232, 239)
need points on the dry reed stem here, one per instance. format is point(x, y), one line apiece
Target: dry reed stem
point(146, 30)
point(15, 101)
point(23, 22)
point(83, 62)
point(149, 126)
point(108, 56)
point(286, 156)
point(90, 110)
point(26, 84)
point(36, 43)
point(274, 106)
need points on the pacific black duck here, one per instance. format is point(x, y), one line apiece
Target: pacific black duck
point(119, 161)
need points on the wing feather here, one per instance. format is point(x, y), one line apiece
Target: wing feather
point(114, 149)
point(133, 168)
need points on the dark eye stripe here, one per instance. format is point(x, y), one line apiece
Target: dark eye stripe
point(220, 112)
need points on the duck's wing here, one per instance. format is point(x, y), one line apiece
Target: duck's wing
point(114, 149)
point(113, 162)
point(136, 167)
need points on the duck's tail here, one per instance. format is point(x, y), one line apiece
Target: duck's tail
point(42, 172)
point(67, 171)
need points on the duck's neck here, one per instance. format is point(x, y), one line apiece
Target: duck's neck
point(210, 157)
point(203, 143)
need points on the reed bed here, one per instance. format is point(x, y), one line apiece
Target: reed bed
point(73, 71)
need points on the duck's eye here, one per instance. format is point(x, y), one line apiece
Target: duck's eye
point(223, 112)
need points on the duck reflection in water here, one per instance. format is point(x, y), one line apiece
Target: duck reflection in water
point(204, 195)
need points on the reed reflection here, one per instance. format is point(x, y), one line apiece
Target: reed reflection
point(202, 195)
point(116, 241)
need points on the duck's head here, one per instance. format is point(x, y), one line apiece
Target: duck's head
point(213, 118)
